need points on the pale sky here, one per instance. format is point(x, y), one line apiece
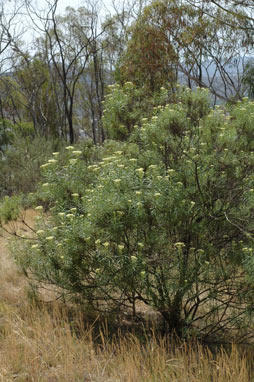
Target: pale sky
point(76, 3)
point(62, 4)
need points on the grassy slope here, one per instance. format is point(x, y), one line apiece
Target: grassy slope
point(38, 344)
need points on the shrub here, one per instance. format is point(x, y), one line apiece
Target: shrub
point(164, 218)
point(20, 164)
point(126, 105)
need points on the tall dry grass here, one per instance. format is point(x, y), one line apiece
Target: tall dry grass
point(41, 345)
point(44, 343)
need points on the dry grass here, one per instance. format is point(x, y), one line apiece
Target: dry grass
point(42, 344)
point(37, 345)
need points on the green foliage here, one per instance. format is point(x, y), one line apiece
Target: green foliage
point(150, 58)
point(39, 93)
point(247, 79)
point(165, 218)
point(11, 133)
point(126, 105)
point(172, 40)
point(123, 109)
point(10, 209)
point(6, 134)
point(23, 129)
point(20, 165)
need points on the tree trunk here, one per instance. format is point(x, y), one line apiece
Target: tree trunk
point(172, 317)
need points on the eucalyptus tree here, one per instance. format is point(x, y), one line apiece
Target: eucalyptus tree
point(202, 51)
point(239, 18)
point(68, 42)
point(34, 85)
point(11, 30)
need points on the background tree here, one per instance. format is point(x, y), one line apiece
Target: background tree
point(150, 59)
point(238, 16)
point(68, 42)
point(206, 52)
point(34, 85)
point(11, 31)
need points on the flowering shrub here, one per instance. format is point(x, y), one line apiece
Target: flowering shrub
point(164, 218)
point(126, 106)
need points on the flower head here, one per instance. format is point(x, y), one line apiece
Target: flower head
point(70, 216)
point(44, 165)
point(179, 244)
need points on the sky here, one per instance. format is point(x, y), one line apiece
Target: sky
point(76, 3)
point(62, 4)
